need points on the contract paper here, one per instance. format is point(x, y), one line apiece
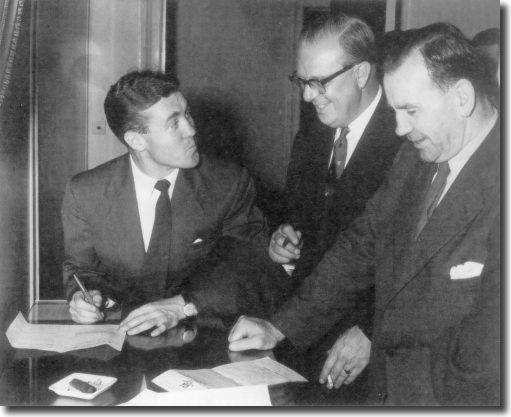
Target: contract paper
point(264, 371)
point(62, 337)
point(223, 397)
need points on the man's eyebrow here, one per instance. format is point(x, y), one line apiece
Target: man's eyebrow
point(405, 106)
point(172, 116)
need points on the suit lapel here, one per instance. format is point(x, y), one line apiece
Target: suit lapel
point(187, 215)
point(461, 204)
point(123, 214)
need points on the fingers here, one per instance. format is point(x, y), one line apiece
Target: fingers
point(285, 244)
point(239, 330)
point(97, 299)
point(333, 370)
point(81, 311)
point(251, 333)
point(347, 358)
point(147, 317)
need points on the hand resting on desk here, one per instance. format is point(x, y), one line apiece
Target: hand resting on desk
point(84, 313)
point(285, 244)
point(162, 314)
point(253, 333)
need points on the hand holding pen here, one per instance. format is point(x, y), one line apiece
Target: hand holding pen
point(84, 306)
point(285, 245)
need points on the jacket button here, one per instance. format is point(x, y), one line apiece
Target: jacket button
point(382, 396)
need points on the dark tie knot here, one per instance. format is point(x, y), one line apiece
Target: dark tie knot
point(443, 169)
point(162, 186)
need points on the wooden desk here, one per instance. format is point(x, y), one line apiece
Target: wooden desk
point(26, 380)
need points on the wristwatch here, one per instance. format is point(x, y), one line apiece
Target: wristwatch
point(189, 308)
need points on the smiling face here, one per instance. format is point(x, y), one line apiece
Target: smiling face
point(341, 103)
point(429, 117)
point(170, 139)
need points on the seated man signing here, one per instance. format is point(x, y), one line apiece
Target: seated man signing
point(143, 229)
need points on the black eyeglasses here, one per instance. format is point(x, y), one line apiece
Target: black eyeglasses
point(318, 84)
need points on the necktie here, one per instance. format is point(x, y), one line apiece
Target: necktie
point(156, 261)
point(158, 249)
point(435, 191)
point(340, 151)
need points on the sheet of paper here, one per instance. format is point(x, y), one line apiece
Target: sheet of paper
point(263, 371)
point(188, 380)
point(235, 396)
point(62, 337)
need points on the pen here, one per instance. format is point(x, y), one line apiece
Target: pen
point(286, 241)
point(86, 294)
point(330, 383)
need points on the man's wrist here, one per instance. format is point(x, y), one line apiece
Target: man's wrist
point(189, 307)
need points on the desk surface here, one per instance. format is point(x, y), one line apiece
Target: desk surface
point(26, 380)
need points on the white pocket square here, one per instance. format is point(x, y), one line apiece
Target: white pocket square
point(198, 240)
point(466, 270)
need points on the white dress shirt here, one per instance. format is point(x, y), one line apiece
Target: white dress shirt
point(147, 197)
point(357, 127)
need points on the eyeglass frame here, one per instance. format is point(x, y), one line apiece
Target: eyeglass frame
point(321, 82)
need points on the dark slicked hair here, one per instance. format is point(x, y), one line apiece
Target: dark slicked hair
point(354, 35)
point(131, 95)
point(448, 54)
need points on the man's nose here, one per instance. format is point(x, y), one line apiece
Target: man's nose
point(403, 126)
point(309, 93)
point(189, 128)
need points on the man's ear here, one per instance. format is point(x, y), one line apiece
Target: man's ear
point(134, 140)
point(465, 96)
point(362, 73)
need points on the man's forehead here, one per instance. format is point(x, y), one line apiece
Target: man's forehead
point(411, 72)
point(320, 52)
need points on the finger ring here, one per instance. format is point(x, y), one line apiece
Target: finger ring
point(347, 371)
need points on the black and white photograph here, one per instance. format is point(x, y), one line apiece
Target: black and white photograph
point(252, 203)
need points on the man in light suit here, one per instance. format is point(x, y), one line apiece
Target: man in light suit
point(149, 249)
point(428, 240)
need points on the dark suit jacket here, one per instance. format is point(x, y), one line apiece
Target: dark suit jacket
point(103, 236)
point(320, 219)
point(421, 314)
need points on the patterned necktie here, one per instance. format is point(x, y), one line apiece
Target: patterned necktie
point(435, 191)
point(340, 151)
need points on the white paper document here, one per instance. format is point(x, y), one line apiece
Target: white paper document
point(264, 371)
point(257, 395)
point(62, 337)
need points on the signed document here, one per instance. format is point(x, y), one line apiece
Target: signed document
point(62, 337)
point(264, 371)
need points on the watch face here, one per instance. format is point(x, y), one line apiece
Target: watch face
point(189, 310)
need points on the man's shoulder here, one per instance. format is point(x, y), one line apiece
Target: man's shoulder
point(215, 173)
point(102, 173)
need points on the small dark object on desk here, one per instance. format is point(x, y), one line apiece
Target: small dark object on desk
point(82, 386)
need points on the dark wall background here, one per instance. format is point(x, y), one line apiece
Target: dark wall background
point(14, 190)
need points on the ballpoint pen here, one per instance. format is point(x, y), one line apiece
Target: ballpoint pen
point(86, 294)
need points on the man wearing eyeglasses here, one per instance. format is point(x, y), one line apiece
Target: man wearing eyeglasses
point(339, 159)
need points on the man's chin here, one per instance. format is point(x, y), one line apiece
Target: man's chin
point(194, 160)
point(326, 119)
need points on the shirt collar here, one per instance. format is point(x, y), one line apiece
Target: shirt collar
point(358, 125)
point(458, 161)
point(144, 184)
